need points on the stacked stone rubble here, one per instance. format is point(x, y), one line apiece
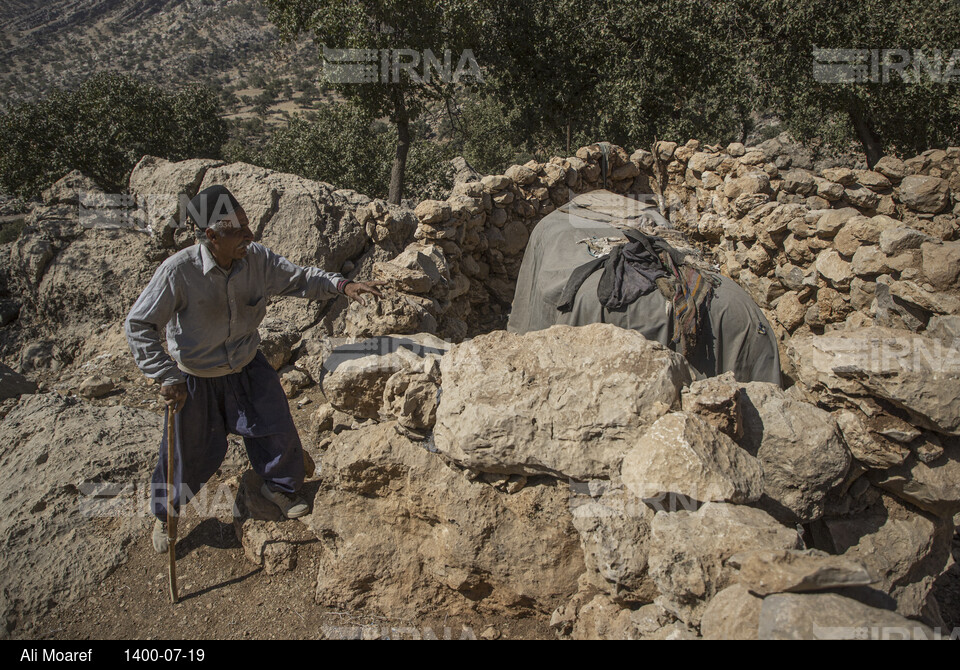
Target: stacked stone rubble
point(805, 244)
point(862, 461)
point(484, 226)
point(709, 508)
point(819, 249)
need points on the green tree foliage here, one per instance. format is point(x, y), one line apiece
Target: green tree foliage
point(631, 72)
point(546, 62)
point(898, 116)
point(102, 128)
point(341, 146)
point(490, 134)
point(672, 73)
point(430, 174)
point(247, 138)
point(309, 89)
point(344, 145)
point(628, 72)
point(416, 25)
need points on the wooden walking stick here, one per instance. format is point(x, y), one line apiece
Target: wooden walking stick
point(171, 511)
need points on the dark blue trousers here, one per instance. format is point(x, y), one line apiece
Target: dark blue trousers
point(250, 403)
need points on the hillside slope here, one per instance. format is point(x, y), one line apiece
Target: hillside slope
point(228, 43)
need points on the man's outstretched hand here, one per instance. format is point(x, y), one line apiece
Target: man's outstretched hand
point(355, 290)
point(175, 395)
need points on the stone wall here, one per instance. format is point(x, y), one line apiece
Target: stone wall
point(815, 249)
point(822, 249)
point(483, 227)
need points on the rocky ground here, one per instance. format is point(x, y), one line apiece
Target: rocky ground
point(224, 595)
point(578, 482)
point(947, 589)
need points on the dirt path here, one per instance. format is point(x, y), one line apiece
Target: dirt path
point(225, 596)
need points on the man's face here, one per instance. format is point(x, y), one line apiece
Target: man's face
point(235, 236)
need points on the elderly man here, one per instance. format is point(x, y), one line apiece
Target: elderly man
point(211, 298)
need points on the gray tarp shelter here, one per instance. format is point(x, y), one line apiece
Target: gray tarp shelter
point(737, 337)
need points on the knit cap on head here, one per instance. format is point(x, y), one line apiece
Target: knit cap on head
point(210, 205)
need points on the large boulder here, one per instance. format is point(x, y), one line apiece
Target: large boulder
point(941, 264)
point(96, 278)
point(914, 373)
point(800, 448)
point(868, 447)
point(832, 220)
point(395, 312)
point(614, 532)
point(355, 375)
point(404, 534)
point(682, 454)
point(603, 619)
point(566, 401)
point(411, 398)
point(297, 218)
point(689, 552)
point(310, 223)
point(828, 616)
point(716, 400)
point(915, 302)
point(68, 275)
point(925, 194)
point(791, 571)
point(934, 487)
point(72, 189)
point(891, 168)
point(860, 230)
point(70, 506)
point(833, 268)
point(732, 614)
point(906, 549)
point(158, 185)
point(420, 268)
point(897, 240)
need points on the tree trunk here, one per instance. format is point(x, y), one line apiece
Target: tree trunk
point(403, 146)
point(871, 142)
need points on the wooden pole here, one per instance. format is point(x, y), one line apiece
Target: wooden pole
point(171, 511)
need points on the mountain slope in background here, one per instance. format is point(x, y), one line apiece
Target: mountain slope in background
point(225, 43)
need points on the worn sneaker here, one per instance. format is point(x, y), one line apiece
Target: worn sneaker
point(160, 541)
point(292, 505)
